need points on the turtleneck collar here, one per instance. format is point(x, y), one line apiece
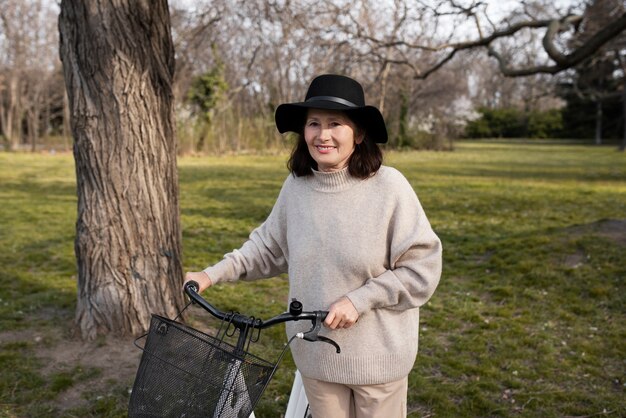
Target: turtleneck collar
point(334, 181)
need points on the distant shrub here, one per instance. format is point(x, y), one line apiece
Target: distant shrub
point(546, 124)
point(515, 123)
point(478, 128)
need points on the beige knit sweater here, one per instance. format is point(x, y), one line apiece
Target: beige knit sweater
point(369, 240)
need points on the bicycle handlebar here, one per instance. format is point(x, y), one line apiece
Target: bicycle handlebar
point(243, 322)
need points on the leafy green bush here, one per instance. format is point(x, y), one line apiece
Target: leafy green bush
point(547, 124)
point(515, 123)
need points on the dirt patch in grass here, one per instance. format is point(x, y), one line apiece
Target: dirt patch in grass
point(611, 229)
point(575, 260)
point(115, 359)
point(419, 411)
point(96, 367)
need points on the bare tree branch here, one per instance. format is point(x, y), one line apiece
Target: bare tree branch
point(564, 62)
point(396, 45)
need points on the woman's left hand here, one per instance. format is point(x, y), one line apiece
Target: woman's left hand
point(341, 314)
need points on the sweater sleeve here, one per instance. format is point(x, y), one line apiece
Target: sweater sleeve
point(261, 256)
point(415, 260)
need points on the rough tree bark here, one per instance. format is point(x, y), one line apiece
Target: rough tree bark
point(118, 62)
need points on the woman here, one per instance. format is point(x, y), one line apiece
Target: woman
point(355, 241)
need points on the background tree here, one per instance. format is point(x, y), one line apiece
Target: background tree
point(204, 95)
point(595, 90)
point(118, 61)
point(552, 56)
point(13, 17)
point(28, 62)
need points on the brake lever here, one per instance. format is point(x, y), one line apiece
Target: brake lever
point(329, 341)
point(312, 334)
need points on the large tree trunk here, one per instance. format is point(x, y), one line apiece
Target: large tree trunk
point(118, 61)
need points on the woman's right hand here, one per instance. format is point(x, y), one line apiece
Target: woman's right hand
point(200, 277)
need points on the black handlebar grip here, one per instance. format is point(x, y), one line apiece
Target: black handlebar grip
point(192, 285)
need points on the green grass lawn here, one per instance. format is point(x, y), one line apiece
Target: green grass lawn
point(529, 318)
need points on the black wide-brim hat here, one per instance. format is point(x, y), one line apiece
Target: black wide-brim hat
point(333, 92)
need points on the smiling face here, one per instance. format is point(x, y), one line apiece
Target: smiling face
point(330, 137)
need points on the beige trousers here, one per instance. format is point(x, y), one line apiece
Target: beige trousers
point(334, 400)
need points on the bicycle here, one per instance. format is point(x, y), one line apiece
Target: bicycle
point(186, 373)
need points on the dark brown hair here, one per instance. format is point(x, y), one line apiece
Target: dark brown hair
point(363, 163)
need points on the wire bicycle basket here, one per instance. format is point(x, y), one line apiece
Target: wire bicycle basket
point(186, 373)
